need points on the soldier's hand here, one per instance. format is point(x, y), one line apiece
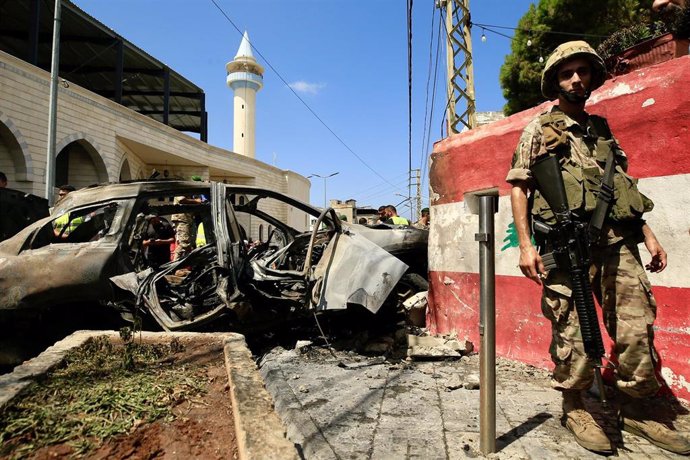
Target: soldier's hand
point(530, 263)
point(658, 262)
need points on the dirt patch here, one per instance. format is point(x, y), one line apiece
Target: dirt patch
point(189, 414)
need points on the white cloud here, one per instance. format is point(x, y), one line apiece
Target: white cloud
point(306, 87)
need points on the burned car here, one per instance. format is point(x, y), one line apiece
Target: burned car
point(96, 249)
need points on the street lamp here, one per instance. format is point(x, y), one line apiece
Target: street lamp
point(325, 204)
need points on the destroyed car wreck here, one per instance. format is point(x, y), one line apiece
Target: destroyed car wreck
point(95, 250)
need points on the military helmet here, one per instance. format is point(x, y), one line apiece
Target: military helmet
point(569, 50)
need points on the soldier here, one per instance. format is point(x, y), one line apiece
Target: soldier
point(423, 221)
point(582, 143)
point(185, 226)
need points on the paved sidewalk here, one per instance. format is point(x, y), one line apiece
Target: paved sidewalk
point(350, 406)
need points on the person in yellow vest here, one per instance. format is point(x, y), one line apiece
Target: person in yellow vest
point(394, 218)
point(200, 236)
point(63, 226)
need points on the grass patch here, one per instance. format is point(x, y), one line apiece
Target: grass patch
point(102, 390)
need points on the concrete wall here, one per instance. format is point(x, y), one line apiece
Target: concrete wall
point(649, 112)
point(103, 138)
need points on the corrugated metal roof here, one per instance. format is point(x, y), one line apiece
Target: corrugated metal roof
point(89, 53)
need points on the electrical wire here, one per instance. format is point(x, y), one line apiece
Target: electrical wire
point(342, 142)
point(428, 81)
point(409, 98)
point(427, 146)
point(398, 187)
point(380, 184)
point(532, 31)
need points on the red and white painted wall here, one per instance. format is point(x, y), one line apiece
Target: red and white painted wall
point(649, 113)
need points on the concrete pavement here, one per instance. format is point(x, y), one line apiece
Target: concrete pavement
point(346, 406)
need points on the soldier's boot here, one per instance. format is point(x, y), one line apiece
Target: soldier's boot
point(636, 419)
point(582, 425)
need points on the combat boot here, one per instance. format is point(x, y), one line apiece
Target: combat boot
point(635, 418)
point(582, 425)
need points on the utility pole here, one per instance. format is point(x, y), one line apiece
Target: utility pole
point(461, 98)
point(419, 194)
point(416, 205)
point(52, 109)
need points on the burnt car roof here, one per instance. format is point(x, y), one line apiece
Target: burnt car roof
point(98, 193)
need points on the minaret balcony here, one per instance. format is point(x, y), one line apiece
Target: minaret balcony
point(245, 79)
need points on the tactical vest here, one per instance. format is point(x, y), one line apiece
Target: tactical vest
point(582, 183)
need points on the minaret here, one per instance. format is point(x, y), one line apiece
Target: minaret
point(245, 79)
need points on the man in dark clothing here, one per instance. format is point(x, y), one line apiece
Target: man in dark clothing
point(159, 236)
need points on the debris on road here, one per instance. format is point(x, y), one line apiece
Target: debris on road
point(428, 347)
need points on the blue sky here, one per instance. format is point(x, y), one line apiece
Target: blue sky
point(347, 59)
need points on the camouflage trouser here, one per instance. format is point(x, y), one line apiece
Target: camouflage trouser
point(621, 287)
point(184, 237)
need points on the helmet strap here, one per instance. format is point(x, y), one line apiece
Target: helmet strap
point(574, 98)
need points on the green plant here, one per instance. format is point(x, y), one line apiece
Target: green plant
point(92, 397)
point(630, 36)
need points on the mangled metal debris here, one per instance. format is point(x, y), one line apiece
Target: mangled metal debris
point(415, 309)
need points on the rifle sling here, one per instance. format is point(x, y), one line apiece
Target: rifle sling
point(604, 199)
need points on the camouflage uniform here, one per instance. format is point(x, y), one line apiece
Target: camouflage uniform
point(184, 232)
point(618, 280)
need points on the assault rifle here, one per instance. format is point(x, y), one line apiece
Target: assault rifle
point(570, 242)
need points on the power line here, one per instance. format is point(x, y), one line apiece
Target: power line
point(298, 96)
point(425, 144)
point(381, 184)
point(409, 96)
point(533, 31)
point(428, 80)
point(399, 187)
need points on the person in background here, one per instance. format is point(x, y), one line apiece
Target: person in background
point(676, 16)
point(423, 221)
point(3, 180)
point(185, 225)
point(382, 215)
point(64, 221)
point(158, 237)
point(394, 218)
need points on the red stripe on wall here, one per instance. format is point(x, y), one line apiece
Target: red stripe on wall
point(522, 332)
point(651, 125)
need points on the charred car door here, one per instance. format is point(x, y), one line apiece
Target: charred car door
point(202, 286)
point(326, 268)
point(62, 259)
point(352, 270)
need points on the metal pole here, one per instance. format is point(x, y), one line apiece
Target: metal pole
point(487, 325)
point(52, 109)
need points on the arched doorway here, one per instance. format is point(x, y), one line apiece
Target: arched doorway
point(79, 164)
point(125, 172)
point(12, 161)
